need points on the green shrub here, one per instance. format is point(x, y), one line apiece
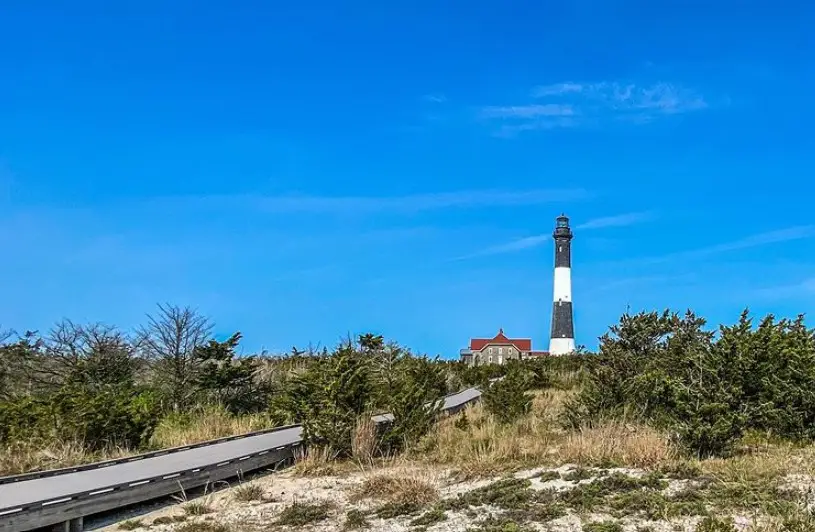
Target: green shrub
point(507, 399)
point(115, 416)
point(666, 370)
point(328, 398)
point(226, 379)
point(112, 417)
point(414, 402)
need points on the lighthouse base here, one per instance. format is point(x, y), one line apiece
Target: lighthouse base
point(561, 346)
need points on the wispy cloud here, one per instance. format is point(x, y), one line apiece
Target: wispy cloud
point(594, 103)
point(434, 98)
point(666, 98)
point(557, 89)
point(802, 289)
point(405, 204)
point(619, 220)
point(515, 245)
point(527, 111)
point(537, 240)
point(639, 280)
point(559, 122)
point(760, 239)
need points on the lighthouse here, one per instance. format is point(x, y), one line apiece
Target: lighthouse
point(562, 338)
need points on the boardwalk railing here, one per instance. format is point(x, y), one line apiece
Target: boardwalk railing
point(63, 497)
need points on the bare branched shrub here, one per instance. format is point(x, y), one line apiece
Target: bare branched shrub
point(169, 340)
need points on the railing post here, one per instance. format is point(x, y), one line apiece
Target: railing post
point(74, 525)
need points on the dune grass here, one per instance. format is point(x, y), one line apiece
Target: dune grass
point(173, 431)
point(205, 424)
point(482, 446)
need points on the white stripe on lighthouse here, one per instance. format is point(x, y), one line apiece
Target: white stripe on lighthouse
point(563, 284)
point(561, 346)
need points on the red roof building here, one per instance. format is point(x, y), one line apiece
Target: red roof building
point(498, 349)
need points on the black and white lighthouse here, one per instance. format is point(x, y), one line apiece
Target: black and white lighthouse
point(562, 338)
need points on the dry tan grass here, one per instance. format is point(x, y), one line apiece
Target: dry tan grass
point(548, 404)
point(317, 462)
point(209, 424)
point(485, 447)
point(23, 457)
point(399, 486)
point(766, 462)
point(212, 423)
point(364, 443)
point(618, 443)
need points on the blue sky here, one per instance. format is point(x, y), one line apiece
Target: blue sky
point(299, 171)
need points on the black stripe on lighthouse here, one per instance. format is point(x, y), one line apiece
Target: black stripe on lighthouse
point(562, 324)
point(563, 254)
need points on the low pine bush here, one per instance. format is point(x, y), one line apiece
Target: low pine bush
point(705, 388)
point(507, 399)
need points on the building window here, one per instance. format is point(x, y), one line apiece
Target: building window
point(490, 350)
point(490, 359)
point(500, 359)
point(500, 350)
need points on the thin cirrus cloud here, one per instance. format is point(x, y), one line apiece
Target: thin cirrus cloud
point(405, 204)
point(527, 111)
point(570, 104)
point(520, 244)
point(788, 234)
point(434, 98)
point(664, 98)
point(620, 220)
point(804, 289)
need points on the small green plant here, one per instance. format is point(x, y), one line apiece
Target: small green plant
point(603, 526)
point(546, 476)
point(537, 511)
point(578, 474)
point(169, 519)
point(131, 524)
point(197, 508)
point(681, 470)
point(509, 493)
point(392, 509)
point(586, 497)
point(203, 526)
point(355, 519)
point(714, 524)
point(430, 517)
point(500, 524)
point(303, 513)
